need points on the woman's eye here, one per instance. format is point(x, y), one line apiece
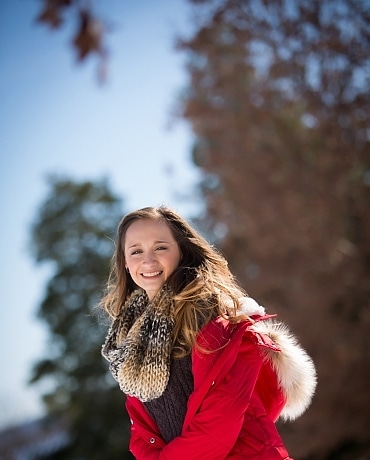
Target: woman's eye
point(161, 248)
point(136, 252)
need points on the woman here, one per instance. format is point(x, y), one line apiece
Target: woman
point(205, 370)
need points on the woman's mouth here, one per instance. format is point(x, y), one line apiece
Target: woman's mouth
point(151, 274)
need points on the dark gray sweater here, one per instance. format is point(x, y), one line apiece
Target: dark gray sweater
point(169, 410)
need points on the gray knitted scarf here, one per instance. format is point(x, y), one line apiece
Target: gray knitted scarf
point(139, 342)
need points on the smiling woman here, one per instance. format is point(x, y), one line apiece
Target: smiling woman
point(187, 346)
point(152, 254)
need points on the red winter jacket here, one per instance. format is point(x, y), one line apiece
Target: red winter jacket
point(238, 395)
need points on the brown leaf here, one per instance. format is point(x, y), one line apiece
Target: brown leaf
point(51, 15)
point(88, 37)
point(52, 12)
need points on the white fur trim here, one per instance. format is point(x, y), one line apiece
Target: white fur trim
point(249, 307)
point(294, 368)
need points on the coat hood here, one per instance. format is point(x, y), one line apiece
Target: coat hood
point(294, 368)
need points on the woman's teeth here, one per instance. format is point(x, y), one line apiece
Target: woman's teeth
point(149, 275)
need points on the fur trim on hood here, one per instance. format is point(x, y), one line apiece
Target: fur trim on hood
point(294, 368)
point(249, 307)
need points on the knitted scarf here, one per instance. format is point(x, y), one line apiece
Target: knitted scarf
point(139, 342)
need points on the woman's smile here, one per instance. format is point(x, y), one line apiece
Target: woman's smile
point(151, 275)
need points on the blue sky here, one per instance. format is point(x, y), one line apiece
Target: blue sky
point(55, 118)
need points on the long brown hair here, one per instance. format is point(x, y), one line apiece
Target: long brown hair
point(200, 283)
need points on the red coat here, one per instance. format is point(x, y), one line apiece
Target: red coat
point(232, 412)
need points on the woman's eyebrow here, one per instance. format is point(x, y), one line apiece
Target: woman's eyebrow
point(155, 242)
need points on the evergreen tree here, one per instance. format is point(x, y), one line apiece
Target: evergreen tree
point(74, 233)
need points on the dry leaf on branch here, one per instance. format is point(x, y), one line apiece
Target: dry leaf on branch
point(52, 12)
point(89, 35)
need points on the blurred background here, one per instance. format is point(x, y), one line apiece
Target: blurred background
point(250, 118)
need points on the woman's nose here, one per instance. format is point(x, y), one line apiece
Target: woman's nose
point(149, 257)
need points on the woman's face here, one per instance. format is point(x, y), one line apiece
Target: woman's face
point(152, 254)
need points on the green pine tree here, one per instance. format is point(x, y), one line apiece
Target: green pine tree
point(73, 233)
